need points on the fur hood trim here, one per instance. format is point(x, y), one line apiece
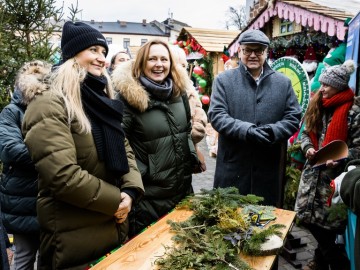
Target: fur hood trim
point(31, 80)
point(131, 90)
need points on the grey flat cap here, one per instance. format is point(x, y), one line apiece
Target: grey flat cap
point(254, 36)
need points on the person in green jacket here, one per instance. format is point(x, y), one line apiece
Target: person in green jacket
point(157, 122)
point(88, 178)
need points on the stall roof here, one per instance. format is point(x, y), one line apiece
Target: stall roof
point(210, 39)
point(328, 8)
point(351, 6)
point(309, 13)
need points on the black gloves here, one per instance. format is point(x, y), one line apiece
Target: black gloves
point(267, 129)
point(260, 135)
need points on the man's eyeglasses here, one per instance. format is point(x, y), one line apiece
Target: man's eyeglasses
point(258, 52)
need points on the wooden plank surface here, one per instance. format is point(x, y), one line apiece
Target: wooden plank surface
point(141, 252)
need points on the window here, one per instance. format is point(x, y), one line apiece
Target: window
point(126, 43)
point(143, 41)
point(286, 27)
point(109, 40)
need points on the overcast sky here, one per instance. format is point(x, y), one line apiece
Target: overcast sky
point(196, 13)
point(352, 6)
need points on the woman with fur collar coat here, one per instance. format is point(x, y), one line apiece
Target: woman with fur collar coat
point(157, 123)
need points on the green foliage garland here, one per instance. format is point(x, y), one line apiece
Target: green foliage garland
point(292, 176)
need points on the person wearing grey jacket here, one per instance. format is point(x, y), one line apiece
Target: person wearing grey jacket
point(255, 110)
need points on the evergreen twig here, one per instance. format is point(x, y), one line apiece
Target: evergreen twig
point(216, 233)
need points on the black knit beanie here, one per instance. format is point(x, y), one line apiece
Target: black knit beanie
point(79, 36)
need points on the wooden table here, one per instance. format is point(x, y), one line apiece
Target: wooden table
point(140, 252)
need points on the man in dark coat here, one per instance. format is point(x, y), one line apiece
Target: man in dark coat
point(254, 109)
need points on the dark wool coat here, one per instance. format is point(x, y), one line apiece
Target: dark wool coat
point(237, 103)
point(314, 187)
point(159, 133)
point(77, 194)
point(19, 185)
point(350, 194)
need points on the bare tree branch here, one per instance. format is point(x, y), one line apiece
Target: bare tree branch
point(236, 17)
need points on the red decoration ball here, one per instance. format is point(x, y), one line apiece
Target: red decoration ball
point(201, 90)
point(198, 70)
point(205, 99)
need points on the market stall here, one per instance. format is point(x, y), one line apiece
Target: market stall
point(305, 30)
point(205, 53)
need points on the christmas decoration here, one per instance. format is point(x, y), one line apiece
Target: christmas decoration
point(202, 83)
point(310, 60)
point(200, 66)
point(200, 89)
point(226, 55)
point(220, 230)
point(335, 56)
point(205, 99)
point(198, 70)
point(298, 44)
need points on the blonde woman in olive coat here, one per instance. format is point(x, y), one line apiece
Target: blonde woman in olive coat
point(88, 178)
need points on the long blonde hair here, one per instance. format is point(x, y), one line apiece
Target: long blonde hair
point(141, 59)
point(65, 82)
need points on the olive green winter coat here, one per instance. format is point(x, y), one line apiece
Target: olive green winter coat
point(159, 134)
point(77, 196)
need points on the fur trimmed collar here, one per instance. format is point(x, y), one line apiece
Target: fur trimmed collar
point(31, 80)
point(132, 91)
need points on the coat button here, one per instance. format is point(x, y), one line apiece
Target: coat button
point(258, 101)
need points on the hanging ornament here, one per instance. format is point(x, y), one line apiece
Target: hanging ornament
point(200, 89)
point(225, 58)
point(205, 99)
point(202, 83)
point(198, 70)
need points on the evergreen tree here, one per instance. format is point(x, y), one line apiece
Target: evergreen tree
point(26, 28)
point(74, 11)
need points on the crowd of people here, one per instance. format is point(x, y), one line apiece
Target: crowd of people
point(91, 150)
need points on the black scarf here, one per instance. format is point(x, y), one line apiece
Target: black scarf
point(105, 116)
point(159, 91)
